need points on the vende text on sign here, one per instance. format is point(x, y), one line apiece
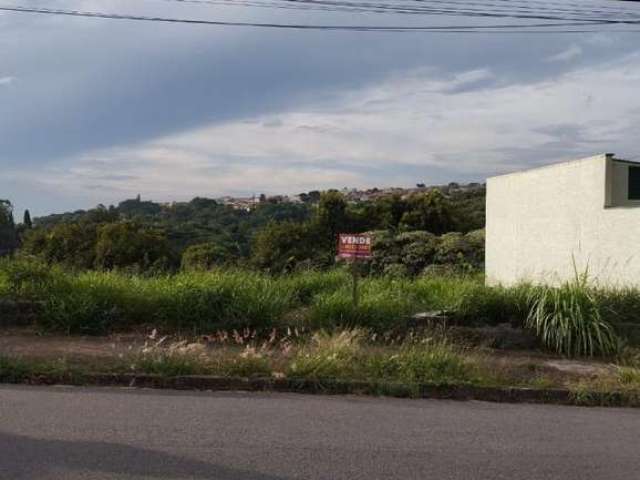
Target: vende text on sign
point(354, 246)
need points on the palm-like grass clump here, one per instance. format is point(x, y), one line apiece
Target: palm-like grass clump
point(568, 319)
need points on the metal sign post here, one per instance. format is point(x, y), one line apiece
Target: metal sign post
point(354, 248)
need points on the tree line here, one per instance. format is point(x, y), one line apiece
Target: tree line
point(410, 233)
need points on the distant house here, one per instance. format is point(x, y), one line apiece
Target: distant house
point(545, 224)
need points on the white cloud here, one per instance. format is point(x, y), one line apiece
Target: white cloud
point(6, 80)
point(571, 53)
point(406, 129)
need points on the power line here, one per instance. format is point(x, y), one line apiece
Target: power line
point(517, 28)
point(498, 10)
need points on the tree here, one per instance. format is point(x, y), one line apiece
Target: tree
point(27, 219)
point(314, 196)
point(331, 218)
point(101, 214)
point(70, 243)
point(282, 246)
point(204, 256)
point(127, 244)
point(8, 238)
point(431, 212)
point(393, 208)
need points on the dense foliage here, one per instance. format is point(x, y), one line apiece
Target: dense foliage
point(275, 236)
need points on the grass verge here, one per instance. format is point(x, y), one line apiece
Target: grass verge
point(349, 361)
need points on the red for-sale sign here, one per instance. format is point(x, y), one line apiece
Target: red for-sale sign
point(354, 246)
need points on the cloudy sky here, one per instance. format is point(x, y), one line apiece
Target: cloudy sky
point(96, 110)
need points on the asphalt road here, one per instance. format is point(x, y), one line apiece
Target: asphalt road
point(77, 433)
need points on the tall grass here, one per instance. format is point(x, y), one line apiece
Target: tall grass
point(574, 319)
point(469, 301)
point(568, 319)
point(383, 304)
point(96, 302)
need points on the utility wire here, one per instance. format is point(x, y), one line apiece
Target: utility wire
point(502, 4)
point(505, 8)
point(517, 28)
point(449, 8)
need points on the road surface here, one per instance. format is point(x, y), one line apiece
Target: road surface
point(83, 433)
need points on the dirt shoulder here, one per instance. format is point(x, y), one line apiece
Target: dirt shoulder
point(28, 343)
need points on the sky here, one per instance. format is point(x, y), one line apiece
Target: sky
point(96, 110)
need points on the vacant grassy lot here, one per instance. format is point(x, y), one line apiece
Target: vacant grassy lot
point(573, 319)
point(98, 302)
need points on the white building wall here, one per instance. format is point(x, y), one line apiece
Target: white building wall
point(543, 221)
